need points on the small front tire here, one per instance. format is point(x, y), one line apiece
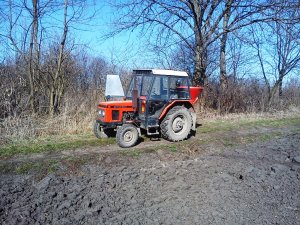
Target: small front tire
point(127, 135)
point(101, 132)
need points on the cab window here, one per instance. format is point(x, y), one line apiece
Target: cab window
point(179, 88)
point(160, 88)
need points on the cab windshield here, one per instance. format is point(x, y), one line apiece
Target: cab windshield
point(143, 84)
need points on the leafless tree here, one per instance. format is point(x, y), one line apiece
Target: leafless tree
point(278, 50)
point(29, 28)
point(196, 23)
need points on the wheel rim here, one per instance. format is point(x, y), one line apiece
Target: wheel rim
point(128, 136)
point(179, 124)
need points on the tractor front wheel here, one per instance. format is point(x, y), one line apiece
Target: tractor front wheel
point(127, 136)
point(177, 124)
point(101, 132)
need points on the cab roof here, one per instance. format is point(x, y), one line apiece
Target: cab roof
point(161, 72)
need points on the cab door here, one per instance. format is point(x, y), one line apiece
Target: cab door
point(158, 98)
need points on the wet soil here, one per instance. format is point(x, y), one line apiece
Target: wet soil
point(256, 183)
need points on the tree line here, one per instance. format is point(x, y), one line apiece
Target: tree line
point(216, 41)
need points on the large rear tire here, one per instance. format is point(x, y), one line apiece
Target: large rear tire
point(177, 124)
point(101, 132)
point(127, 136)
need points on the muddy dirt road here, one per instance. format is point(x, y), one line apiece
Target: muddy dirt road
point(257, 183)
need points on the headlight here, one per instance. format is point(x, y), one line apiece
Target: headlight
point(101, 113)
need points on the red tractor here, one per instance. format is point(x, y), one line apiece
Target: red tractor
point(157, 102)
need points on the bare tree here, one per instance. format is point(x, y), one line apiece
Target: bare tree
point(196, 23)
point(29, 51)
point(278, 50)
point(30, 27)
point(58, 83)
point(223, 72)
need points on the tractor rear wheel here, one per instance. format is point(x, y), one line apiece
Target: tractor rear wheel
point(127, 136)
point(177, 124)
point(101, 132)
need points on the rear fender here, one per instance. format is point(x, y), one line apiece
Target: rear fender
point(184, 103)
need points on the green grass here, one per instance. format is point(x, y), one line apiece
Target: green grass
point(229, 142)
point(132, 153)
point(74, 163)
point(172, 148)
point(44, 167)
point(269, 136)
point(225, 125)
point(297, 130)
point(50, 144)
point(209, 132)
point(26, 167)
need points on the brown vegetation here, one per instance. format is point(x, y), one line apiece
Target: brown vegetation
point(49, 85)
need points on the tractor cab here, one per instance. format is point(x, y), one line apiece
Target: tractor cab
point(157, 102)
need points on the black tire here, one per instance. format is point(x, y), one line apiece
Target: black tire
point(101, 132)
point(127, 136)
point(177, 124)
point(110, 132)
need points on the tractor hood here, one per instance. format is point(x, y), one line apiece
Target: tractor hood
point(116, 104)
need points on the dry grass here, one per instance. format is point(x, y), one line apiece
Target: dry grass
point(212, 115)
point(27, 127)
point(81, 121)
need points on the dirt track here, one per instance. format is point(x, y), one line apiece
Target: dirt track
point(258, 183)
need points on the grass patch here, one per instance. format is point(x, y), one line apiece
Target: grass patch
point(269, 136)
point(226, 125)
point(7, 168)
point(74, 163)
point(54, 143)
point(227, 142)
point(297, 130)
point(132, 153)
point(209, 132)
point(260, 137)
point(172, 148)
point(26, 167)
point(44, 167)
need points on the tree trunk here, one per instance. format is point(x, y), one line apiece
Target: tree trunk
point(58, 85)
point(199, 74)
point(280, 87)
point(223, 72)
point(33, 60)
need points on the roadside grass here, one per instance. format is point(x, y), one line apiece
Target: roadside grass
point(229, 125)
point(297, 130)
point(46, 166)
point(229, 133)
point(172, 148)
point(38, 167)
point(132, 152)
point(52, 143)
point(222, 140)
point(216, 131)
point(73, 163)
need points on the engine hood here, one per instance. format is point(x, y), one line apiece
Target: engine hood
point(115, 104)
